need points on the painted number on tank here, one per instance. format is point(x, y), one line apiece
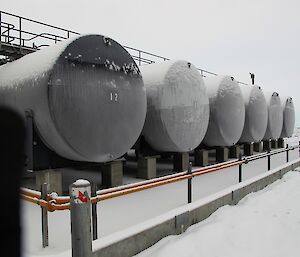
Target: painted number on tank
point(114, 97)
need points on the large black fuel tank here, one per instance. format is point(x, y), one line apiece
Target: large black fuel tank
point(86, 94)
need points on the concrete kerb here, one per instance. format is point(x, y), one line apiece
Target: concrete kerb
point(138, 238)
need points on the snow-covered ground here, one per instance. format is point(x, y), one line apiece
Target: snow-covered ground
point(266, 223)
point(123, 212)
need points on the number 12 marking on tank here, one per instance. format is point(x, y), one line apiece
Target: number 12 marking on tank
point(114, 97)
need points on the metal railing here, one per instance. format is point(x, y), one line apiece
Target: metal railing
point(13, 32)
point(52, 202)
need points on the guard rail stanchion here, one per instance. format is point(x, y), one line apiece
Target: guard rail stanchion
point(190, 183)
point(45, 238)
point(287, 152)
point(240, 168)
point(269, 160)
point(80, 207)
point(94, 212)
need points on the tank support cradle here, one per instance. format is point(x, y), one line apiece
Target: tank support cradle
point(266, 145)
point(248, 149)
point(221, 154)
point(112, 173)
point(201, 157)
point(53, 178)
point(257, 147)
point(274, 143)
point(147, 167)
point(234, 151)
point(181, 161)
point(280, 143)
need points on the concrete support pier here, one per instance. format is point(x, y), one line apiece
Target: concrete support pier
point(181, 161)
point(280, 143)
point(53, 178)
point(274, 143)
point(222, 154)
point(147, 167)
point(234, 151)
point(112, 173)
point(201, 157)
point(266, 145)
point(258, 147)
point(248, 149)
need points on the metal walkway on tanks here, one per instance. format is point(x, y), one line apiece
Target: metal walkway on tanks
point(20, 36)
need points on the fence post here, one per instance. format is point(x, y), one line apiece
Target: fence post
point(0, 27)
point(269, 160)
point(240, 168)
point(94, 212)
point(20, 32)
point(190, 183)
point(80, 207)
point(140, 61)
point(45, 238)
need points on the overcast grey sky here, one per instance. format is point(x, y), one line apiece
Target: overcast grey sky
point(232, 37)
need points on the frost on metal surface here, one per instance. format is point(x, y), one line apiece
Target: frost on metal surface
point(288, 117)
point(227, 111)
point(275, 116)
point(256, 114)
point(178, 110)
point(86, 94)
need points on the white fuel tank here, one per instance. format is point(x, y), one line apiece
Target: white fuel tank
point(177, 106)
point(275, 116)
point(227, 111)
point(288, 117)
point(256, 114)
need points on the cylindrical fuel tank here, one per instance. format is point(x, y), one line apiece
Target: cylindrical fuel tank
point(288, 117)
point(86, 94)
point(177, 106)
point(227, 111)
point(275, 116)
point(256, 114)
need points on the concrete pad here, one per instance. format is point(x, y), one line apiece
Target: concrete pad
point(147, 167)
point(181, 161)
point(112, 173)
point(234, 151)
point(222, 154)
point(201, 157)
point(248, 149)
point(52, 177)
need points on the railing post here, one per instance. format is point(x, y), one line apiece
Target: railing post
point(140, 58)
point(240, 168)
point(20, 32)
point(0, 27)
point(287, 152)
point(94, 212)
point(44, 193)
point(190, 183)
point(269, 160)
point(80, 207)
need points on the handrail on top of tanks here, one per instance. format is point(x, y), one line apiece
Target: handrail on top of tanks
point(38, 22)
point(62, 202)
point(34, 35)
point(137, 58)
